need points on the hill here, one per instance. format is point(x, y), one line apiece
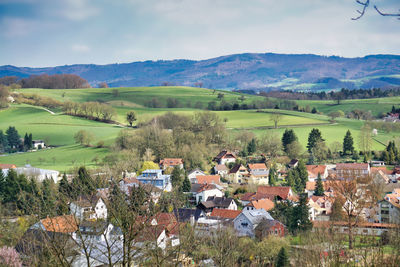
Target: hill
point(240, 71)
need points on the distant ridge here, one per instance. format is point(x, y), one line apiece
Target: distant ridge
point(257, 71)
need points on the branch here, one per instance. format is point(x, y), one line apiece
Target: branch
point(364, 5)
point(387, 14)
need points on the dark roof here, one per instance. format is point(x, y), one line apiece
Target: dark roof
point(235, 168)
point(93, 227)
point(217, 202)
point(224, 153)
point(184, 214)
point(293, 161)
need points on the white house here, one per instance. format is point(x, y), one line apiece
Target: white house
point(39, 174)
point(314, 170)
point(89, 208)
point(192, 175)
point(225, 157)
point(248, 220)
point(38, 144)
point(221, 170)
point(202, 192)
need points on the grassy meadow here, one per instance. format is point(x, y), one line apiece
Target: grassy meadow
point(58, 129)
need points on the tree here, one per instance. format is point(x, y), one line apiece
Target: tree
point(348, 143)
point(319, 187)
point(272, 176)
point(131, 117)
point(270, 144)
point(3, 96)
point(320, 150)
point(288, 137)
point(9, 257)
point(83, 183)
point(83, 137)
point(276, 117)
point(365, 138)
point(301, 169)
point(186, 185)
point(314, 137)
point(337, 210)
point(283, 259)
point(149, 165)
point(314, 110)
point(103, 85)
point(300, 218)
point(364, 5)
point(294, 149)
point(336, 114)
point(252, 147)
point(177, 177)
point(13, 137)
point(220, 96)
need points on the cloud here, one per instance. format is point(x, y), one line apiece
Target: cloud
point(81, 48)
point(78, 10)
point(16, 27)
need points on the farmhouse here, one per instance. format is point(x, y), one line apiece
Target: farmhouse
point(38, 144)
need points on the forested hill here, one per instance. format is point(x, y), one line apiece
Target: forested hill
point(240, 71)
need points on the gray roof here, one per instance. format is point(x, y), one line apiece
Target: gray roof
point(256, 216)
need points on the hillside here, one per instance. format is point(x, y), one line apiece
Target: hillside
point(240, 71)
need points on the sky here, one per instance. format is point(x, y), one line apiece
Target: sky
point(40, 33)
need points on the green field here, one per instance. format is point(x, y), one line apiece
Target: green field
point(59, 129)
point(375, 105)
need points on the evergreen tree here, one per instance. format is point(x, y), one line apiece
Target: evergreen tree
point(313, 138)
point(356, 155)
point(48, 198)
point(3, 142)
point(82, 184)
point(26, 141)
point(303, 175)
point(30, 141)
point(348, 143)
point(64, 187)
point(337, 210)
point(288, 137)
point(282, 259)
point(386, 157)
point(314, 110)
point(300, 217)
point(251, 147)
point(319, 187)
point(13, 137)
point(272, 176)
point(311, 159)
point(177, 176)
point(290, 180)
point(186, 185)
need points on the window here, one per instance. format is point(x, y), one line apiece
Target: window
point(245, 224)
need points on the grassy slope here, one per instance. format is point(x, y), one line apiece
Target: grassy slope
point(375, 105)
point(59, 130)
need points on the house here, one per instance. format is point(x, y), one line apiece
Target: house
point(225, 157)
point(314, 170)
point(38, 174)
point(38, 144)
point(192, 175)
point(310, 187)
point(202, 192)
point(280, 192)
point(293, 163)
point(269, 227)
point(189, 215)
point(265, 204)
point(246, 198)
point(377, 163)
point(157, 179)
point(345, 170)
point(101, 231)
point(221, 170)
point(321, 204)
point(258, 174)
point(389, 208)
point(58, 231)
point(246, 222)
point(171, 163)
point(127, 183)
point(225, 213)
point(208, 179)
point(238, 174)
point(217, 202)
point(89, 208)
point(5, 167)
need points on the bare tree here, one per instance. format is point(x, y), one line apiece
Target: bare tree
point(276, 117)
point(365, 5)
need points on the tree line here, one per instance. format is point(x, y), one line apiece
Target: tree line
point(45, 81)
point(90, 110)
point(11, 141)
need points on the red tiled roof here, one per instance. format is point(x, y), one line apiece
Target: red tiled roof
point(313, 170)
point(382, 168)
point(310, 186)
point(60, 224)
point(225, 213)
point(265, 204)
point(250, 196)
point(281, 191)
point(171, 161)
point(208, 179)
point(257, 166)
point(352, 166)
point(7, 166)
